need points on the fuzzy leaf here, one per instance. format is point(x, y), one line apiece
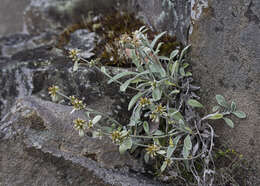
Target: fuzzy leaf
point(194, 103)
point(239, 114)
point(156, 39)
point(187, 142)
point(216, 116)
point(134, 99)
point(188, 74)
point(175, 92)
point(171, 149)
point(221, 101)
point(185, 152)
point(146, 127)
point(158, 133)
point(157, 94)
point(122, 74)
point(229, 122)
point(162, 152)
point(75, 66)
point(175, 114)
point(127, 144)
point(184, 51)
point(233, 106)
point(96, 119)
point(146, 157)
point(174, 54)
point(215, 108)
point(124, 86)
point(182, 72)
point(164, 165)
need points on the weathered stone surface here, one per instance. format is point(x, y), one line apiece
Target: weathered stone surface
point(11, 16)
point(165, 15)
point(83, 40)
point(48, 15)
point(39, 147)
point(226, 60)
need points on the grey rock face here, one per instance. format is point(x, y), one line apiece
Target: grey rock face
point(165, 15)
point(39, 147)
point(84, 41)
point(226, 60)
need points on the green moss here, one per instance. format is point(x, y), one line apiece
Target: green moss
point(110, 27)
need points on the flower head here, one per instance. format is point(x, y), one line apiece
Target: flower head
point(74, 55)
point(144, 102)
point(77, 104)
point(152, 149)
point(53, 90)
point(80, 125)
point(116, 136)
point(160, 109)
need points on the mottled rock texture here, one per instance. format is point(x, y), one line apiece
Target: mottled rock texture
point(226, 60)
point(38, 146)
point(11, 16)
point(165, 15)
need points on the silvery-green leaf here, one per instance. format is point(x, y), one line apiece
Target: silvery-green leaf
point(134, 99)
point(175, 68)
point(158, 48)
point(229, 122)
point(194, 103)
point(187, 142)
point(182, 72)
point(164, 165)
point(221, 101)
point(185, 65)
point(188, 74)
point(103, 69)
point(195, 149)
point(164, 58)
point(146, 127)
point(156, 39)
point(146, 157)
point(233, 106)
point(157, 94)
point(215, 108)
point(175, 92)
point(170, 149)
point(156, 68)
point(127, 144)
point(158, 133)
point(216, 116)
point(122, 74)
point(96, 119)
point(176, 115)
point(81, 133)
point(174, 54)
point(124, 86)
point(162, 152)
point(185, 152)
point(184, 51)
point(75, 66)
point(239, 114)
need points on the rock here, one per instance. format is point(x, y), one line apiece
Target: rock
point(165, 15)
point(49, 15)
point(83, 40)
point(11, 16)
point(14, 43)
point(226, 60)
point(38, 142)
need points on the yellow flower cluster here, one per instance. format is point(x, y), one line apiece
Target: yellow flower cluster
point(77, 104)
point(53, 90)
point(152, 149)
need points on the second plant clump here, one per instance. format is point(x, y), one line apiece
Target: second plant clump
point(165, 121)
